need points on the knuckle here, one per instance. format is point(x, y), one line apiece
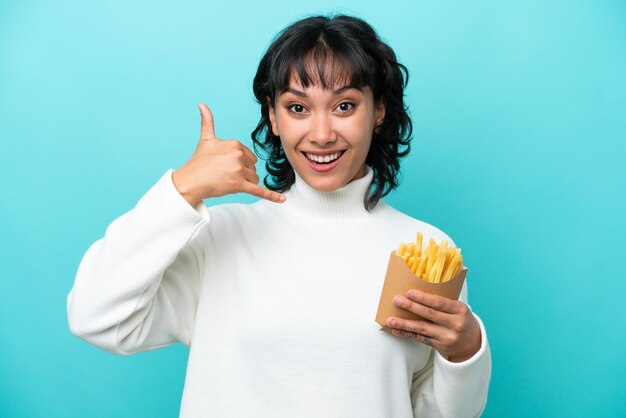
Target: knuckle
point(438, 302)
point(418, 328)
point(464, 310)
point(457, 327)
point(429, 314)
point(418, 297)
point(241, 183)
point(450, 339)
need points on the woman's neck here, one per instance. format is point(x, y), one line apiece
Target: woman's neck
point(341, 207)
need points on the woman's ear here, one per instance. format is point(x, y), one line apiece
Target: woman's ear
point(380, 111)
point(272, 115)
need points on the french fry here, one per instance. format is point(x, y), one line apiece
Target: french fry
point(435, 273)
point(420, 268)
point(450, 268)
point(437, 263)
point(456, 270)
point(449, 255)
point(418, 244)
point(430, 255)
point(441, 259)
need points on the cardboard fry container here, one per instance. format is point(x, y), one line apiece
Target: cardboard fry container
point(399, 279)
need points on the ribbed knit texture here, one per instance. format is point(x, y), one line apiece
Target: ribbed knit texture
point(341, 207)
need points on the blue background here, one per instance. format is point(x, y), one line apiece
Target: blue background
point(519, 111)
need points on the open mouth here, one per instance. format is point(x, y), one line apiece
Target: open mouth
point(323, 159)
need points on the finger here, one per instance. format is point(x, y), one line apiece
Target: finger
point(414, 326)
point(426, 312)
point(437, 302)
point(424, 339)
point(249, 154)
point(207, 125)
point(251, 175)
point(262, 192)
point(249, 161)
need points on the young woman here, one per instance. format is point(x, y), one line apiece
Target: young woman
point(277, 299)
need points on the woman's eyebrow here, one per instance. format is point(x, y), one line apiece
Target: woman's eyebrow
point(340, 90)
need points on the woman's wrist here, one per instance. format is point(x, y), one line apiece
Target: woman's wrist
point(470, 352)
point(185, 190)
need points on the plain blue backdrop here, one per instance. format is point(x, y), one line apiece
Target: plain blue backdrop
point(518, 154)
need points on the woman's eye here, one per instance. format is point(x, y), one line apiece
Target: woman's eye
point(296, 108)
point(345, 106)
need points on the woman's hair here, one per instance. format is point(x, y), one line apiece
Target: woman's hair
point(327, 50)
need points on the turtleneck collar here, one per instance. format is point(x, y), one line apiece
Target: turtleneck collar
point(340, 207)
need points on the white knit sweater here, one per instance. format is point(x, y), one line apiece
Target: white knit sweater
point(276, 302)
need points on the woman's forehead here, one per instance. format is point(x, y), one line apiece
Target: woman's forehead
point(296, 88)
point(334, 84)
point(328, 71)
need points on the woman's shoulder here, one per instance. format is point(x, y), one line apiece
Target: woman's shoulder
point(240, 211)
point(233, 216)
point(229, 207)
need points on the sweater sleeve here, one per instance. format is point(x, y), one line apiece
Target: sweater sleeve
point(446, 389)
point(137, 288)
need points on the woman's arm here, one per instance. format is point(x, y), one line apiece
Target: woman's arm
point(137, 288)
point(446, 389)
point(455, 382)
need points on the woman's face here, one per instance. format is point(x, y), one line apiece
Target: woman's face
point(326, 133)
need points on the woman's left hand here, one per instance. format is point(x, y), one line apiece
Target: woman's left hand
point(451, 328)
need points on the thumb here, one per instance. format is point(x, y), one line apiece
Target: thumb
point(207, 126)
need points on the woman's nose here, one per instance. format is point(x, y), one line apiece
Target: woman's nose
point(322, 131)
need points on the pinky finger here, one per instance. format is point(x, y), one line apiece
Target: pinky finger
point(424, 339)
point(262, 192)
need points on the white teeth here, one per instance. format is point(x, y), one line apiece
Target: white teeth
point(322, 158)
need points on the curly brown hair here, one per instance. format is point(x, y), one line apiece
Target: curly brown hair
point(357, 54)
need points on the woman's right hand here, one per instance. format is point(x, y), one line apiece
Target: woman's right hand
point(219, 167)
